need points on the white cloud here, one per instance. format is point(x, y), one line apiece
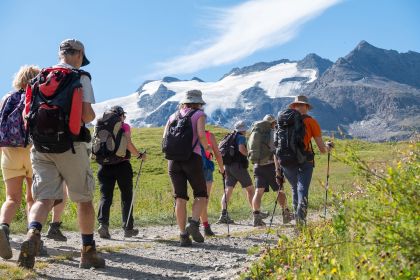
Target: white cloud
point(244, 29)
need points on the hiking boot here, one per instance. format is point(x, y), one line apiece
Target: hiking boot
point(104, 232)
point(258, 222)
point(185, 240)
point(5, 249)
point(264, 215)
point(131, 232)
point(42, 250)
point(225, 219)
point(90, 258)
point(287, 216)
point(29, 249)
point(208, 232)
point(55, 233)
point(193, 228)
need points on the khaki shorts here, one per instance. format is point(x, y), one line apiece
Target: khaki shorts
point(51, 170)
point(16, 162)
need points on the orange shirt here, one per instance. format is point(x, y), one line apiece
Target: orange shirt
point(312, 129)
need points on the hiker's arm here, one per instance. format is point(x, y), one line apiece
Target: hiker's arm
point(88, 114)
point(166, 129)
point(201, 132)
point(217, 154)
point(279, 174)
point(130, 146)
point(243, 150)
point(321, 145)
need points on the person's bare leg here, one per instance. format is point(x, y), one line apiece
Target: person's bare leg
point(86, 217)
point(282, 200)
point(229, 191)
point(204, 214)
point(58, 209)
point(197, 208)
point(250, 194)
point(13, 199)
point(39, 210)
point(256, 201)
point(181, 214)
point(29, 198)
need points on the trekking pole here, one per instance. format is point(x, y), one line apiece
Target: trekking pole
point(226, 203)
point(134, 192)
point(326, 184)
point(275, 205)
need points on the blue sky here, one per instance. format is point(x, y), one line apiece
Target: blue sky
point(130, 41)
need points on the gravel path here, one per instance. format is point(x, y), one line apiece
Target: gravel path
point(155, 254)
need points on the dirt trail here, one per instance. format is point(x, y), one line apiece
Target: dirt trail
point(155, 254)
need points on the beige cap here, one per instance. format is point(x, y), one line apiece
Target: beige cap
point(73, 44)
point(240, 126)
point(269, 118)
point(193, 96)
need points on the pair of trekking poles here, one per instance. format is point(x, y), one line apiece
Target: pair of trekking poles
point(135, 189)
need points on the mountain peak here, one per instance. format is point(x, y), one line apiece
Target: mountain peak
point(170, 79)
point(260, 66)
point(314, 61)
point(390, 64)
point(197, 79)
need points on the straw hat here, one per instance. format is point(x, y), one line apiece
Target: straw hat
point(301, 99)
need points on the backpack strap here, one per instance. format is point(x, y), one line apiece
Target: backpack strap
point(117, 139)
point(82, 72)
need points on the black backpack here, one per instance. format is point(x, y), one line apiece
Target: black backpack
point(290, 148)
point(178, 138)
point(109, 144)
point(228, 148)
point(53, 110)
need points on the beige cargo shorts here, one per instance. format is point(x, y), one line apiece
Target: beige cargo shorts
point(52, 170)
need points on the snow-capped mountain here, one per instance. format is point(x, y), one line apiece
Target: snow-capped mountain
point(244, 93)
point(371, 93)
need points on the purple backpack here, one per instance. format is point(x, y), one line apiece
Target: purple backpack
point(12, 129)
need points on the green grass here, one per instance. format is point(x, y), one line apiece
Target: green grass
point(12, 272)
point(373, 233)
point(154, 199)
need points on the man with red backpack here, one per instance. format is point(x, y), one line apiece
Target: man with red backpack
point(58, 104)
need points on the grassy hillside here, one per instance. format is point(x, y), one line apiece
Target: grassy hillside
point(154, 199)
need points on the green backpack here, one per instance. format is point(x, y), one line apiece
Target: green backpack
point(259, 143)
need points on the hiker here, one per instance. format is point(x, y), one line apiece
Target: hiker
point(115, 168)
point(184, 132)
point(298, 167)
point(237, 171)
point(15, 160)
point(208, 166)
point(261, 153)
point(57, 129)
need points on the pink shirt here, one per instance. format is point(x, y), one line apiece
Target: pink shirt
point(126, 127)
point(194, 120)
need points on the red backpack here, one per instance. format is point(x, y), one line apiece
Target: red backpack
point(53, 109)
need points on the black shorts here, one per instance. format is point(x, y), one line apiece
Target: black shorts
point(190, 171)
point(236, 173)
point(265, 177)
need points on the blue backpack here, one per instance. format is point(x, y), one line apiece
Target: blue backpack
point(12, 128)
